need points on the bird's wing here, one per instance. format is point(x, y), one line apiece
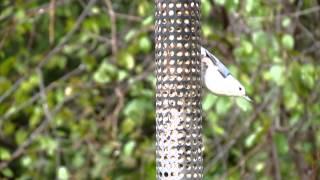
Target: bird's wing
point(221, 67)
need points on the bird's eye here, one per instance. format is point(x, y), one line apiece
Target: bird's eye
point(240, 88)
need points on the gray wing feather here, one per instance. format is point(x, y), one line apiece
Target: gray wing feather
point(221, 67)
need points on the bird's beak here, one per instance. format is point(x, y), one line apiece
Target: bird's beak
point(247, 98)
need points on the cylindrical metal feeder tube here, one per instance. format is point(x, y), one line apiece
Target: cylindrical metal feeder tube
point(178, 90)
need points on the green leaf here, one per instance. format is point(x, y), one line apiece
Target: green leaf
point(145, 44)
point(250, 140)
point(128, 148)
point(220, 2)
point(5, 84)
point(7, 172)
point(259, 166)
point(21, 136)
point(31, 83)
point(105, 73)
point(122, 75)
point(148, 20)
point(243, 104)
point(260, 39)
point(232, 5)
point(286, 22)
point(58, 60)
point(152, 80)
point(26, 161)
point(223, 105)
point(4, 154)
point(274, 48)
point(78, 160)
point(9, 128)
point(208, 101)
point(212, 117)
point(205, 7)
point(20, 15)
point(63, 173)
point(35, 116)
point(91, 25)
point(287, 41)
point(281, 143)
point(143, 8)
point(130, 35)
point(276, 74)
point(126, 60)
point(48, 144)
point(249, 5)
point(277, 59)
point(248, 48)
point(95, 10)
point(308, 75)
point(291, 98)
point(253, 137)
point(218, 129)
point(206, 30)
point(137, 108)
point(214, 126)
point(128, 125)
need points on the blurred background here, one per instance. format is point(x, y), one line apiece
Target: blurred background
point(77, 89)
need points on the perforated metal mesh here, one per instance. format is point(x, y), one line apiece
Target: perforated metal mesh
point(178, 92)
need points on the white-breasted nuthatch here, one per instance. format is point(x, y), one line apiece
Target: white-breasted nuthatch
point(217, 77)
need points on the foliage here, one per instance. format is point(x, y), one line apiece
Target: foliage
point(77, 89)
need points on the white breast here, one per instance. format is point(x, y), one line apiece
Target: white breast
point(216, 83)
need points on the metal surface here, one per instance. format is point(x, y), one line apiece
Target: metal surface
point(178, 91)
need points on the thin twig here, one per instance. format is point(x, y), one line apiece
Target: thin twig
point(14, 87)
point(66, 38)
point(305, 11)
point(56, 49)
point(113, 27)
point(294, 14)
point(248, 155)
point(52, 20)
point(274, 159)
point(42, 9)
point(4, 35)
point(115, 114)
point(100, 38)
point(43, 125)
point(43, 96)
point(128, 17)
point(35, 97)
point(239, 132)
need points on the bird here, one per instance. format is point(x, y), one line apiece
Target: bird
point(218, 79)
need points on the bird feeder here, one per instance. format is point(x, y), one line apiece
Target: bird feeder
point(179, 143)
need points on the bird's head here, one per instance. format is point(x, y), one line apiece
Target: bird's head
point(237, 89)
